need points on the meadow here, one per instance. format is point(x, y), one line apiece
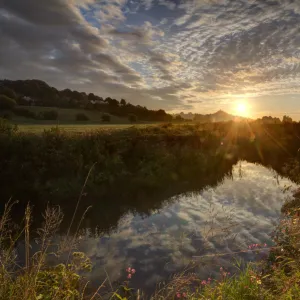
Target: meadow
point(147, 164)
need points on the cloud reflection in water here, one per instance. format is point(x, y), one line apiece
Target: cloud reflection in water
point(240, 211)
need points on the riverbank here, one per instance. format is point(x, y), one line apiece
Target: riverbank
point(136, 169)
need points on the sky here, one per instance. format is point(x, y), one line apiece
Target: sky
point(179, 55)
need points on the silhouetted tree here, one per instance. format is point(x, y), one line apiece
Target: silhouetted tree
point(132, 118)
point(106, 118)
point(81, 117)
point(6, 102)
point(8, 92)
point(287, 119)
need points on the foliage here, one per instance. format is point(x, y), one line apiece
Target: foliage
point(6, 128)
point(44, 95)
point(106, 118)
point(49, 115)
point(7, 103)
point(144, 159)
point(37, 280)
point(20, 111)
point(8, 92)
point(287, 119)
point(132, 118)
point(82, 117)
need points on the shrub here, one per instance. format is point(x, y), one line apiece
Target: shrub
point(49, 115)
point(6, 102)
point(20, 111)
point(106, 118)
point(6, 116)
point(8, 92)
point(132, 118)
point(82, 117)
point(6, 127)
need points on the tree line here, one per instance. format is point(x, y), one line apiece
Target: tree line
point(39, 93)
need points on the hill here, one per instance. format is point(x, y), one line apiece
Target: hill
point(219, 116)
point(39, 93)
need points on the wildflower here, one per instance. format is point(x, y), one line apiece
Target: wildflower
point(129, 276)
point(203, 282)
point(178, 295)
point(184, 295)
point(265, 245)
point(133, 271)
point(128, 270)
point(258, 281)
point(221, 269)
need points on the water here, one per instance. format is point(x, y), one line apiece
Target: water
point(241, 210)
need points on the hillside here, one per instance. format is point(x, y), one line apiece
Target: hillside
point(65, 116)
point(219, 116)
point(39, 93)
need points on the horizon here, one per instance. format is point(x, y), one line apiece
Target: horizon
point(239, 56)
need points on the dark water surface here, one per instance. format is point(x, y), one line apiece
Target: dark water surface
point(241, 210)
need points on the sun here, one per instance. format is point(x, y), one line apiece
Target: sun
point(242, 109)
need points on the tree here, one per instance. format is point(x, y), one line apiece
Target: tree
point(179, 118)
point(50, 115)
point(8, 92)
point(287, 119)
point(7, 103)
point(82, 117)
point(106, 118)
point(123, 102)
point(132, 118)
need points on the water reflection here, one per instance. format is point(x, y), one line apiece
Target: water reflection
point(241, 210)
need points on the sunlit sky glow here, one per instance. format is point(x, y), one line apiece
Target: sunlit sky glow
point(179, 55)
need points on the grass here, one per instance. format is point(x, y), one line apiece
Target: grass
point(75, 128)
point(277, 277)
point(54, 164)
point(67, 115)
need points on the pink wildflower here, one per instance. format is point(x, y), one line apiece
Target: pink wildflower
point(184, 295)
point(128, 270)
point(133, 271)
point(203, 282)
point(265, 245)
point(178, 295)
point(129, 276)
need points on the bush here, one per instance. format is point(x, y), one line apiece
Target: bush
point(8, 92)
point(132, 118)
point(6, 127)
point(6, 102)
point(82, 117)
point(6, 116)
point(49, 115)
point(19, 111)
point(106, 118)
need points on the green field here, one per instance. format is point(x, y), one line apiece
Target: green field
point(67, 121)
point(38, 128)
point(67, 115)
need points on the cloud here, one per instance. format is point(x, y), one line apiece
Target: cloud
point(222, 49)
point(240, 211)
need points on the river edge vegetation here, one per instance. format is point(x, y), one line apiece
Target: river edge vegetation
point(55, 164)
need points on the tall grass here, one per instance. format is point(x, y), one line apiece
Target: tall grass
point(152, 159)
